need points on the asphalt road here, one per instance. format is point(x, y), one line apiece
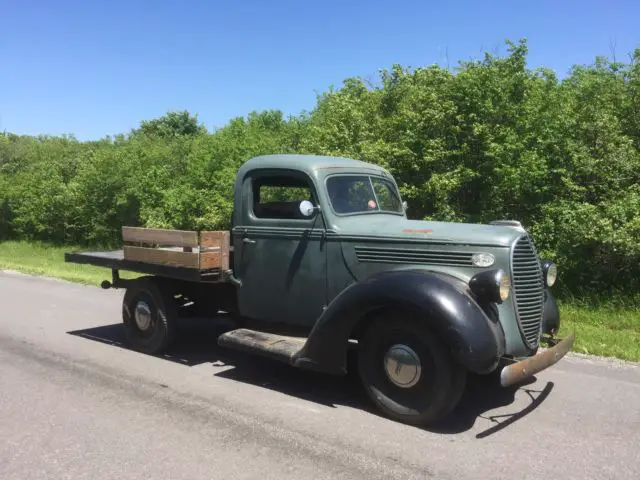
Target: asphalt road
point(75, 403)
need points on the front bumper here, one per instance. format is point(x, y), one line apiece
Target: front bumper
point(518, 371)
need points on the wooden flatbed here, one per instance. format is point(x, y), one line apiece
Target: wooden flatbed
point(115, 260)
point(178, 254)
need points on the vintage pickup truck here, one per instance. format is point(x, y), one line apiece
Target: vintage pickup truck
point(320, 258)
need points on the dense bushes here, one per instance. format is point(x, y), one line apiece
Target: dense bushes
point(491, 140)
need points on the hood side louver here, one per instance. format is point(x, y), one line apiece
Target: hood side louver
point(413, 256)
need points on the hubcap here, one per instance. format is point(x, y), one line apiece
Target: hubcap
point(402, 366)
point(142, 315)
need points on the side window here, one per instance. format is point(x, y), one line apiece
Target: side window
point(279, 196)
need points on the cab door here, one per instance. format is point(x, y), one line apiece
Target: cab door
point(279, 254)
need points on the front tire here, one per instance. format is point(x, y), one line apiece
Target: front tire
point(407, 372)
point(150, 315)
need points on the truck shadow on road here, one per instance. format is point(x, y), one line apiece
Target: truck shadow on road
point(483, 400)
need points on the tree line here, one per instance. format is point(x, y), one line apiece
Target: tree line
point(492, 139)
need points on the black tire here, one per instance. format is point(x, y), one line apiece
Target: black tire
point(438, 387)
point(163, 316)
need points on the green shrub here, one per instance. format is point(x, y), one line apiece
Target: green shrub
point(492, 140)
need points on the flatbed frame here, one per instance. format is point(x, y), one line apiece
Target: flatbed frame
point(115, 261)
point(176, 254)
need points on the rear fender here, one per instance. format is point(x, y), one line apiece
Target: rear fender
point(474, 338)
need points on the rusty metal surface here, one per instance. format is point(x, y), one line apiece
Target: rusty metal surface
point(516, 372)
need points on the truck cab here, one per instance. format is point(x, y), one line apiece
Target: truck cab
point(290, 216)
point(322, 247)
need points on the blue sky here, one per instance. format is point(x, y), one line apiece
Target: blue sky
point(93, 68)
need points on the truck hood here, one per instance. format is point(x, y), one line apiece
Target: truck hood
point(398, 228)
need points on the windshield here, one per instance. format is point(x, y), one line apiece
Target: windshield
point(363, 194)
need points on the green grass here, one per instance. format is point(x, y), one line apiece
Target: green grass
point(605, 330)
point(45, 260)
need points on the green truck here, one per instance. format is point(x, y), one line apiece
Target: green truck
point(321, 258)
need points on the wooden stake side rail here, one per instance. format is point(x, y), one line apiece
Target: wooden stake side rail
point(207, 250)
point(157, 236)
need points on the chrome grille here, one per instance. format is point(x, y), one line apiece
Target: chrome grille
point(528, 289)
point(415, 256)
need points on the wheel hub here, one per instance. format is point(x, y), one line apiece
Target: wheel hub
point(402, 366)
point(142, 315)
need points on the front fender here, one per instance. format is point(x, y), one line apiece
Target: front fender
point(475, 340)
point(551, 313)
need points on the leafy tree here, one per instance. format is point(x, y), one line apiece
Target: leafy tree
point(173, 124)
point(491, 139)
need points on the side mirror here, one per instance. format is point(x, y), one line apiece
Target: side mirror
point(306, 208)
point(405, 205)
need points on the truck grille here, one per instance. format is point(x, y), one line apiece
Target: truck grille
point(528, 290)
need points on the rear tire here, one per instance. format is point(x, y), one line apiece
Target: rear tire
point(150, 315)
point(429, 383)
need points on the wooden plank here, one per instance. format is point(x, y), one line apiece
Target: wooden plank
point(160, 256)
point(215, 239)
point(215, 246)
point(158, 236)
point(214, 259)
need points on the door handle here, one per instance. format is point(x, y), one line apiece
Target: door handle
point(248, 240)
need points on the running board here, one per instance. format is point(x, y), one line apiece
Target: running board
point(278, 347)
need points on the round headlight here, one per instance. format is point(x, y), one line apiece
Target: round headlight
point(550, 272)
point(491, 285)
point(505, 286)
